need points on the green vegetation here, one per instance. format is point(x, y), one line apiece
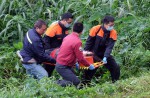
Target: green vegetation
point(132, 50)
point(135, 87)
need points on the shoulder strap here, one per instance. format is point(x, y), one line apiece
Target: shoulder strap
point(98, 30)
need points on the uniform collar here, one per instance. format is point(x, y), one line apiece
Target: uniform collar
point(105, 30)
point(62, 26)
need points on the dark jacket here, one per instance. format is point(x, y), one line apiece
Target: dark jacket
point(33, 47)
point(54, 35)
point(101, 41)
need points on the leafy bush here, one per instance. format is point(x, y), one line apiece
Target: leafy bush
point(132, 49)
point(132, 87)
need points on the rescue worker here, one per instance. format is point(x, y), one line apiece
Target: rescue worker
point(33, 52)
point(54, 36)
point(71, 52)
point(101, 41)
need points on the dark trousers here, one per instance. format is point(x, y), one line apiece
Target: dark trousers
point(49, 69)
point(111, 65)
point(67, 74)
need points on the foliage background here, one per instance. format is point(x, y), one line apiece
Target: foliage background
point(132, 50)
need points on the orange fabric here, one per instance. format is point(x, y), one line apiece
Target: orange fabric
point(93, 31)
point(54, 29)
point(113, 34)
point(54, 53)
point(89, 59)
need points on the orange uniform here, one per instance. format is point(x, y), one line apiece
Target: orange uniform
point(101, 41)
point(54, 35)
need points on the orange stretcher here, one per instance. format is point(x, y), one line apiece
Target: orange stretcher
point(97, 64)
point(91, 61)
point(54, 53)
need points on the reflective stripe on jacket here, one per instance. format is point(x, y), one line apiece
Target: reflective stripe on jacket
point(33, 47)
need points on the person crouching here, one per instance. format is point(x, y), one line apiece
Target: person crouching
point(71, 52)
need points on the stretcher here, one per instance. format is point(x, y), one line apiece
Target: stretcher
point(91, 61)
point(96, 65)
point(89, 58)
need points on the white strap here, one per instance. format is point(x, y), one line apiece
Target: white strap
point(19, 55)
point(29, 38)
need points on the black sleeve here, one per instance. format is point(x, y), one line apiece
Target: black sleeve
point(89, 43)
point(109, 47)
point(47, 41)
point(39, 51)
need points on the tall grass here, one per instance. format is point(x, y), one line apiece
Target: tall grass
point(132, 49)
point(133, 30)
point(91, 11)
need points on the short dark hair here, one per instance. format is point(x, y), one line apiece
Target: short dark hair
point(66, 16)
point(78, 27)
point(39, 23)
point(108, 19)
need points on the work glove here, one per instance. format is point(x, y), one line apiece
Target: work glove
point(91, 67)
point(77, 66)
point(104, 60)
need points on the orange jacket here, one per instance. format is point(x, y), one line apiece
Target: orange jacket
point(93, 31)
point(101, 41)
point(54, 35)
